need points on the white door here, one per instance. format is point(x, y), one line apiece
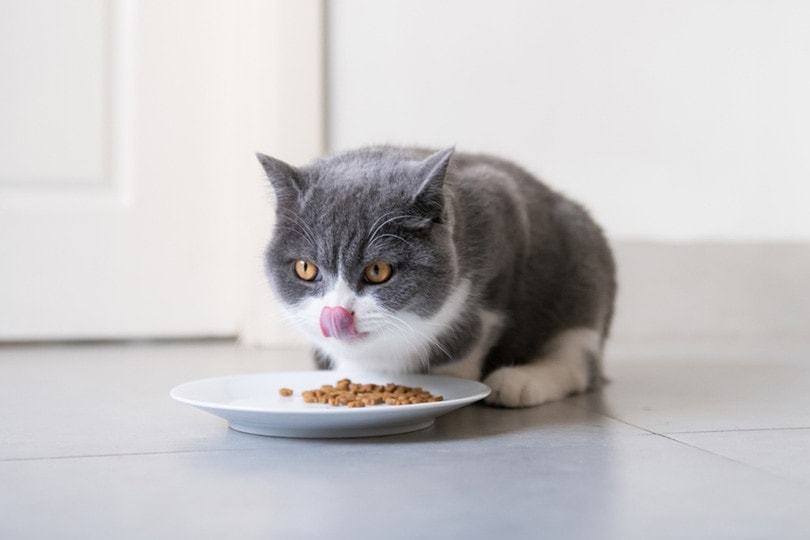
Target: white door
point(130, 201)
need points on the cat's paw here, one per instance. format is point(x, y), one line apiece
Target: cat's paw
point(521, 386)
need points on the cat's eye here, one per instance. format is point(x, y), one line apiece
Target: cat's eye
point(306, 270)
point(378, 272)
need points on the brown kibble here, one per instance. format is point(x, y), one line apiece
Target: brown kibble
point(355, 395)
point(286, 392)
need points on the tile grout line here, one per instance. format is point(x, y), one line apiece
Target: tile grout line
point(715, 454)
point(739, 430)
point(665, 433)
point(669, 437)
point(736, 461)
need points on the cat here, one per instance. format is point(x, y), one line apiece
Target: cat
point(397, 260)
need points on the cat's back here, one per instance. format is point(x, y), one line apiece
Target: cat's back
point(507, 218)
point(504, 191)
point(498, 202)
point(498, 185)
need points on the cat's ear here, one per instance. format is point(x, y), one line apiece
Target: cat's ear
point(287, 181)
point(429, 196)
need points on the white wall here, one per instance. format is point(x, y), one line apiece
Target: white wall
point(683, 125)
point(684, 121)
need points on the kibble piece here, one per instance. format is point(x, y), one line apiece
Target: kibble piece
point(286, 392)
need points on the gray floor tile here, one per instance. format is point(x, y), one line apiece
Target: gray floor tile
point(783, 452)
point(108, 399)
point(91, 446)
point(681, 390)
point(621, 487)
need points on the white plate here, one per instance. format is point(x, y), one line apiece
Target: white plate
point(251, 403)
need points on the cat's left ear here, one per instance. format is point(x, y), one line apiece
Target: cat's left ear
point(429, 197)
point(286, 179)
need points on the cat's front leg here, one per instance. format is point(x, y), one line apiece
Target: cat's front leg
point(569, 365)
point(467, 368)
point(322, 360)
point(471, 364)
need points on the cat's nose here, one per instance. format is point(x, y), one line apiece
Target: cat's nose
point(338, 322)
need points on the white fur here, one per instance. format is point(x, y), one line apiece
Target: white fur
point(562, 370)
point(395, 343)
point(470, 366)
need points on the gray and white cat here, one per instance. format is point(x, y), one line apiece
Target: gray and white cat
point(403, 260)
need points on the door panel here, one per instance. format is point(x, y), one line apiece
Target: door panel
point(130, 201)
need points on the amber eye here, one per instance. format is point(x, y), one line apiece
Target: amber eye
point(378, 272)
point(306, 270)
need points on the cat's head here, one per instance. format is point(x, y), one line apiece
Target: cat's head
point(362, 253)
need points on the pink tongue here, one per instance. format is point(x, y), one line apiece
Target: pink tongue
point(337, 322)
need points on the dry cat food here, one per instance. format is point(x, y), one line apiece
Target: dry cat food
point(351, 394)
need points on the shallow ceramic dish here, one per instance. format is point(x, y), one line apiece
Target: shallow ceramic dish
point(252, 404)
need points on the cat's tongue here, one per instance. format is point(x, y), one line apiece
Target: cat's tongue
point(338, 322)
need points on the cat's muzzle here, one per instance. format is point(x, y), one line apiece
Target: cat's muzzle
point(338, 322)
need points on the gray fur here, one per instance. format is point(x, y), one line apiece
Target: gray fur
point(529, 253)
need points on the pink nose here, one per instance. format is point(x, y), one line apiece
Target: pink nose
point(337, 322)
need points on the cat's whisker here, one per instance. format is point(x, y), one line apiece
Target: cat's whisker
point(290, 319)
point(389, 236)
point(417, 346)
point(304, 228)
point(433, 342)
point(298, 232)
point(399, 325)
point(444, 351)
point(399, 320)
point(375, 231)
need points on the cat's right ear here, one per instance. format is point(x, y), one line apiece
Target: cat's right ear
point(286, 180)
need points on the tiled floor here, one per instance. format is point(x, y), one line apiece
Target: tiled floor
point(689, 441)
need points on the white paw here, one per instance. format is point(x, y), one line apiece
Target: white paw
point(522, 387)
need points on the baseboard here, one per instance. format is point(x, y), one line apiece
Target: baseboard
point(712, 291)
